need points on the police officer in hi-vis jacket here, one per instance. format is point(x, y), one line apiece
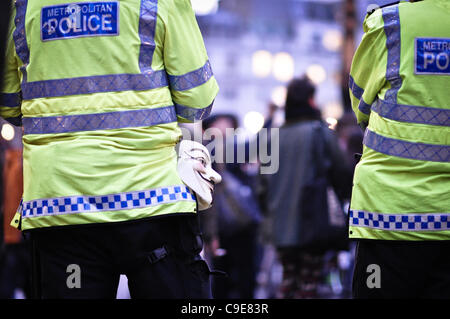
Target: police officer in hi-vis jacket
point(99, 88)
point(400, 207)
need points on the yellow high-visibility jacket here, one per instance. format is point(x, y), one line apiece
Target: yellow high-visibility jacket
point(99, 87)
point(400, 86)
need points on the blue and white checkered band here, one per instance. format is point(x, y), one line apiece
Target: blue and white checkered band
point(391, 20)
point(412, 113)
point(99, 121)
point(432, 56)
point(10, 99)
point(81, 19)
point(417, 151)
point(400, 222)
point(106, 203)
point(192, 79)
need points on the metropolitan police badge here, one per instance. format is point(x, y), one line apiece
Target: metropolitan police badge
point(84, 19)
point(432, 56)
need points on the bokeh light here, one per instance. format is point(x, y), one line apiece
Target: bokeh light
point(283, 66)
point(262, 63)
point(205, 7)
point(279, 95)
point(333, 109)
point(331, 122)
point(253, 121)
point(316, 73)
point(7, 132)
point(332, 40)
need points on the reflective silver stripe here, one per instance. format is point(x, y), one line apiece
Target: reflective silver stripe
point(10, 99)
point(358, 93)
point(94, 84)
point(193, 114)
point(147, 29)
point(412, 114)
point(364, 107)
point(400, 222)
point(99, 121)
point(192, 79)
point(105, 203)
point(417, 151)
point(391, 20)
point(19, 36)
point(147, 80)
point(356, 90)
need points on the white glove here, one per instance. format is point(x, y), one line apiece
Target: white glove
point(194, 169)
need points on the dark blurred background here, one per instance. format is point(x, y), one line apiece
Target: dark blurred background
point(257, 46)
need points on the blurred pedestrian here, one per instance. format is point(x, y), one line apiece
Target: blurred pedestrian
point(288, 198)
point(399, 84)
point(232, 224)
point(350, 138)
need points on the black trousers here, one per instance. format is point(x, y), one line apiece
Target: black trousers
point(159, 255)
point(404, 269)
point(240, 263)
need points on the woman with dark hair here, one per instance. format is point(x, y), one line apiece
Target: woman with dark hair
point(286, 200)
point(300, 104)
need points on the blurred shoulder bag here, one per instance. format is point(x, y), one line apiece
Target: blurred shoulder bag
point(323, 221)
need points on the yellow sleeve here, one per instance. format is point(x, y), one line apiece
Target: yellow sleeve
point(368, 70)
point(192, 83)
point(10, 92)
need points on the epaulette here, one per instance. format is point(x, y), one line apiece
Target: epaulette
point(371, 8)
